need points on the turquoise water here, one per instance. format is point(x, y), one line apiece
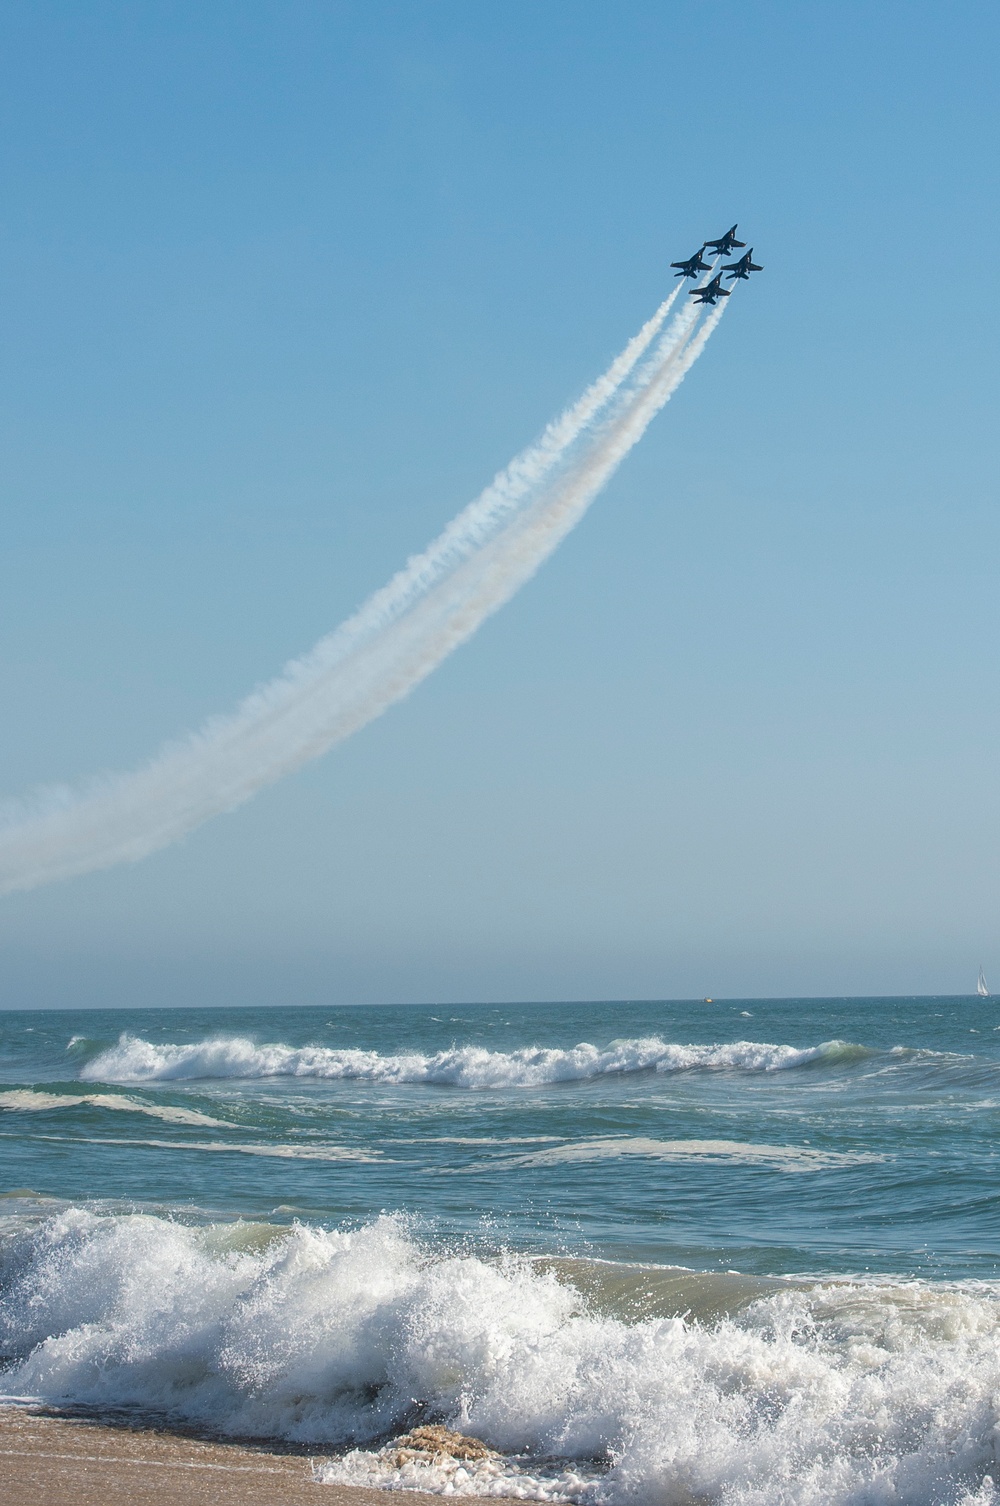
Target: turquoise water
point(760, 1237)
point(883, 1147)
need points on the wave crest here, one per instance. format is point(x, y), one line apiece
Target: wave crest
point(134, 1060)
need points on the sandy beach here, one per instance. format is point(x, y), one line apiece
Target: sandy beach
point(46, 1459)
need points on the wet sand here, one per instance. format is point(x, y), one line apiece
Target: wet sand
point(55, 1461)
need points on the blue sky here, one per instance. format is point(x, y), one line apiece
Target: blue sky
point(282, 285)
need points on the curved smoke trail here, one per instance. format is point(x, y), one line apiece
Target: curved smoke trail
point(376, 657)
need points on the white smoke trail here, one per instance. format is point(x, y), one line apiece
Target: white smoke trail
point(480, 518)
point(377, 656)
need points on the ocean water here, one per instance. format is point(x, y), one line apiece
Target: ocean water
point(745, 1251)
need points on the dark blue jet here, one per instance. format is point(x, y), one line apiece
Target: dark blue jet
point(693, 267)
point(711, 291)
point(726, 244)
point(743, 267)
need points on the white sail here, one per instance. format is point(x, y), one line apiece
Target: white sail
point(981, 988)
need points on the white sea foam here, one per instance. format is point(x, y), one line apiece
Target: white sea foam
point(134, 1060)
point(24, 1101)
point(716, 1152)
point(833, 1395)
point(500, 1475)
point(476, 1140)
point(324, 1152)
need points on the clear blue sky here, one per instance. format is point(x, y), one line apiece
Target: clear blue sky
point(284, 284)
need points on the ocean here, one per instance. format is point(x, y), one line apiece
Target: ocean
point(742, 1251)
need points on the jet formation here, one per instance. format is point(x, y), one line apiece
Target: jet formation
point(712, 291)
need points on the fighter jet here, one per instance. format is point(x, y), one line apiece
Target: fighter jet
point(693, 267)
point(726, 244)
point(743, 267)
point(710, 291)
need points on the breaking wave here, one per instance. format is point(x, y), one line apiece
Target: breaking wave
point(811, 1395)
point(134, 1060)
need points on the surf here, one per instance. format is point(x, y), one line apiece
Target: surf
point(815, 1393)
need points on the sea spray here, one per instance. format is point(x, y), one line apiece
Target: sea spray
point(819, 1394)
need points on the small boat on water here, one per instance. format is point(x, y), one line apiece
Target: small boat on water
point(981, 988)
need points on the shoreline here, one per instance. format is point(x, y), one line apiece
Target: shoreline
point(46, 1456)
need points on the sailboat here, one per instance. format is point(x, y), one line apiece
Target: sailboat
point(981, 988)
